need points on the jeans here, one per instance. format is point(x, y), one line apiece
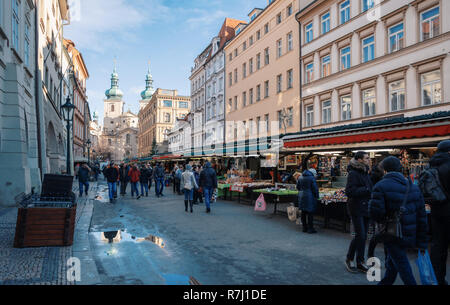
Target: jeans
point(207, 191)
point(81, 187)
point(188, 194)
point(159, 186)
point(123, 187)
point(144, 186)
point(150, 184)
point(112, 187)
point(134, 188)
point(397, 263)
point(439, 245)
point(358, 244)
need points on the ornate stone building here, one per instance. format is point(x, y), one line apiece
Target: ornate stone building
point(120, 130)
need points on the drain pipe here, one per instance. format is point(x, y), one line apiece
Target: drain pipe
point(300, 70)
point(37, 86)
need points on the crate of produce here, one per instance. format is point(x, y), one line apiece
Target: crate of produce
point(46, 221)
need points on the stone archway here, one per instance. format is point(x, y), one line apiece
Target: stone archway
point(52, 150)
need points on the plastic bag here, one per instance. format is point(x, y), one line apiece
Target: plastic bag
point(292, 213)
point(426, 271)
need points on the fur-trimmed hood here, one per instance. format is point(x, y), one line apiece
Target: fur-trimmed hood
point(355, 165)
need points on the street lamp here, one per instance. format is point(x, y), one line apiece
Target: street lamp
point(88, 144)
point(68, 110)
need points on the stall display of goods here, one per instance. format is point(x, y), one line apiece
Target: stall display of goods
point(276, 191)
point(241, 186)
point(344, 165)
point(328, 195)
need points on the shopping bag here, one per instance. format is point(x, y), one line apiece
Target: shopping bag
point(292, 213)
point(426, 271)
point(260, 204)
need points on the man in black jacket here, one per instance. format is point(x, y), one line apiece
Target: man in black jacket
point(158, 174)
point(358, 190)
point(112, 175)
point(208, 182)
point(440, 214)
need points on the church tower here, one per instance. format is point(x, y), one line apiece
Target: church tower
point(113, 103)
point(147, 94)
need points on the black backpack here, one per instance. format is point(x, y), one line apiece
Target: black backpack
point(431, 186)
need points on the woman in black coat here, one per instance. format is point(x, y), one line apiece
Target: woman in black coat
point(308, 195)
point(387, 199)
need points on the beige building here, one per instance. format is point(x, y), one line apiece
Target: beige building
point(158, 117)
point(363, 61)
point(262, 73)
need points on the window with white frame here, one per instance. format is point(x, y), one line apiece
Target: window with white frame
point(396, 39)
point(345, 58)
point(15, 24)
point(369, 102)
point(289, 42)
point(258, 61)
point(290, 114)
point(279, 18)
point(250, 96)
point(325, 66)
point(244, 46)
point(266, 28)
point(266, 121)
point(346, 108)
point(367, 4)
point(258, 123)
point(397, 95)
point(290, 76)
point(266, 56)
point(258, 93)
point(325, 23)
point(250, 40)
point(430, 23)
point(235, 103)
point(289, 10)
point(266, 89)
point(250, 66)
point(235, 76)
point(431, 88)
point(258, 35)
point(309, 32)
point(344, 11)
point(309, 115)
point(244, 99)
point(279, 48)
point(280, 119)
point(279, 83)
point(244, 70)
point(26, 49)
point(326, 112)
point(368, 46)
point(309, 73)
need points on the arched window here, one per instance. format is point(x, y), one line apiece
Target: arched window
point(167, 117)
point(112, 107)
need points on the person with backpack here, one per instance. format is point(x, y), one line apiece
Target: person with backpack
point(144, 179)
point(307, 200)
point(112, 175)
point(158, 174)
point(398, 204)
point(83, 178)
point(435, 185)
point(188, 184)
point(358, 190)
point(208, 182)
point(135, 175)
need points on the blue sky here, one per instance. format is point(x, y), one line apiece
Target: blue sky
point(169, 33)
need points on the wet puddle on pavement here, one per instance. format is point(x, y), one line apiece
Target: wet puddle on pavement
point(122, 236)
point(103, 196)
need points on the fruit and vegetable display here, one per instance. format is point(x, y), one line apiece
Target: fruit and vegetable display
point(328, 195)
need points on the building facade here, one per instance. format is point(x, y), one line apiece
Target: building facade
point(19, 137)
point(80, 127)
point(158, 117)
point(364, 61)
point(262, 73)
point(180, 137)
point(120, 130)
point(52, 15)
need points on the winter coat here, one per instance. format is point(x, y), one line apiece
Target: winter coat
point(376, 174)
point(145, 175)
point(178, 173)
point(358, 189)
point(83, 174)
point(158, 173)
point(134, 174)
point(310, 193)
point(123, 173)
point(208, 177)
point(111, 174)
point(187, 181)
point(387, 198)
point(197, 177)
point(441, 161)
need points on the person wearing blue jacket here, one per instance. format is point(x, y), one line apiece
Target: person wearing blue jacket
point(308, 195)
point(387, 198)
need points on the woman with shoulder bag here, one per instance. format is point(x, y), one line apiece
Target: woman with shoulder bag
point(307, 200)
point(188, 184)
point(398, 205)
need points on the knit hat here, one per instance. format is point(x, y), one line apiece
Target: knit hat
point(188, 167)
point(444, 146)
point(391, 164)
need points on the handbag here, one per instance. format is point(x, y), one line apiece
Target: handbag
point(392, 228)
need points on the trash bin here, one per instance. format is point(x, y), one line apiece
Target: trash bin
point(47, 219)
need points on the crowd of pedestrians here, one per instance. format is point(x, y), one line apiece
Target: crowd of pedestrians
point(382, 198)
